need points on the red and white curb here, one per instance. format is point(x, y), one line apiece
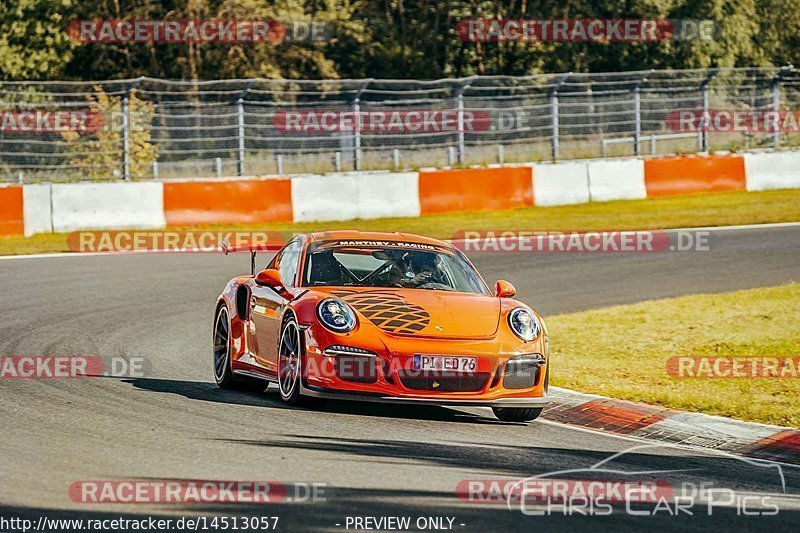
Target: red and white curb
point(651, 422)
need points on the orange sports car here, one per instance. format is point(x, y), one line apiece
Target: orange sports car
point(386, 317)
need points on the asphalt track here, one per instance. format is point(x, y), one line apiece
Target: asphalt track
point(376, 460)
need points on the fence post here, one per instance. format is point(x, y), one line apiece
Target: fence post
point(554, 124)
point(776, 106)
point(357, 133)
point(337, 161)
point(704, 135)
point(396, 159)
point(279, 163)
point(451, 156)
point(637, 121)
point(501, 156)
point(240, 158)
point(126, 142)
point(218, 166)
point(704, 129)
point(20, 177)
point(155, 170)
point(460, 122)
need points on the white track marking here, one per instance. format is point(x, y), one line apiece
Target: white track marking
point(683, 447)
point(729, 228)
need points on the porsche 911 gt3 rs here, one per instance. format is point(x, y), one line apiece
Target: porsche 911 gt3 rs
point(385, 317)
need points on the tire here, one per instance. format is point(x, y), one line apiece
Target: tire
point(223, 373)
point(517, 414)
point(290, 367)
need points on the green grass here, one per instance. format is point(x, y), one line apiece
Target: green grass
point(718, 209)
point(622, 351)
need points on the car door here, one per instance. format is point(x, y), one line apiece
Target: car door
point(267, 306)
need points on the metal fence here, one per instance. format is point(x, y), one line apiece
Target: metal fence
point(174, 129)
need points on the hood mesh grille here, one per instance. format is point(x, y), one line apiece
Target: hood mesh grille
point(387, 310)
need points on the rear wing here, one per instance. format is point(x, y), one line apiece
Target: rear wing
point(232, 248)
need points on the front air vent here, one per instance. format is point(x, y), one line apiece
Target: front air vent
point(340, 349)
point(443, 381)
point(522, 372)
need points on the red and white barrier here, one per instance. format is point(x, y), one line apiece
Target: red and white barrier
point(37, 209)
point(388, 195)
point(355, 195)
point(31, 209)
point(12, 219)
point(693, 174)
point(474, 189)
point(561, 183)
point(616, 179)
point(239, 201)
point(779, 170)
point(118, 205)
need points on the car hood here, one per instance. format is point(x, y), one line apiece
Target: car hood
point(425, 313)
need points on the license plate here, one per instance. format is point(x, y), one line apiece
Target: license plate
point(445, 362)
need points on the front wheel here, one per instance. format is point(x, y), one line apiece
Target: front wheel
point(290, 367)
point(517, 414)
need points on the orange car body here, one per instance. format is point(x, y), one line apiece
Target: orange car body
point(393, 327)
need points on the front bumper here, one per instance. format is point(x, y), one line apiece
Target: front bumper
point(330, 394)
point(390, 381)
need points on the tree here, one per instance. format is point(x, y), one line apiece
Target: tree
point(385, 39)
point(100, 154)
point(34, 41)
point(208, 60)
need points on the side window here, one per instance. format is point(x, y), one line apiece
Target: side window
point(276, 261)
point(288, 261)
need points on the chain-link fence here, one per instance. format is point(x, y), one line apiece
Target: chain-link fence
point(149, 128)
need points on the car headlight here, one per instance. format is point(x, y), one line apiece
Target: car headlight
point(336, 315)
point(524, 324)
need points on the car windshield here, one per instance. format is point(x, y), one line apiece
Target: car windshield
point(390, 266)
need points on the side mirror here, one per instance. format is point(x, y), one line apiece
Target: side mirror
point(269, 278)
point(504, 289)
point(272, 278)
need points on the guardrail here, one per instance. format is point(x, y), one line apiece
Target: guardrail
point(605, 143)
point(66, 207)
